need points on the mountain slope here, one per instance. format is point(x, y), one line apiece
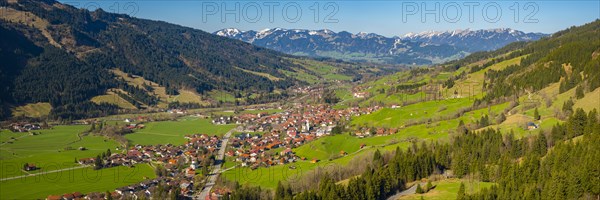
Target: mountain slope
point(547, 73)
point(424, 48)
point(63, 55)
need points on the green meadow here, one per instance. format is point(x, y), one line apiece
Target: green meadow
point(56, 147)
point(84, 180)
point(448, 189)
point(398, 117)
point(173, 131)
point(322, 149)
point(268, 177)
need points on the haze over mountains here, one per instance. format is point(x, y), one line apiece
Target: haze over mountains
point(422, 49)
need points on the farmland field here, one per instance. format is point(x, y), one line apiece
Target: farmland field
point(173, 131)
point(82, 180)
point(56, 147)
point(391, 118)
point(268, 177)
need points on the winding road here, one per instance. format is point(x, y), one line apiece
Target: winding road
point(408, 191)
point(212, 177)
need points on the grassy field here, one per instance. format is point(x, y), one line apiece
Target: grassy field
point(49, 149)
point(6, 135)
point(590, 101)
point(321, 149)
point(328, 73)
point(173, 131)
point(327, 147)
point(398, 117)
point(186, 96)
point(472, 84)
point(397, 98)
point(448, 189)
point(32, 110)
point(113, 98)
point(268, 177)
point(221, 96)
point(82, 180)
point(268, 76)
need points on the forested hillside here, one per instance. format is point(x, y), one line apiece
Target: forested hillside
point(570, 57)
point(59, 54)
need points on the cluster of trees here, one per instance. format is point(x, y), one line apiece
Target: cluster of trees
point(99, 160)
point(421, 190)
point(522, 168)
point(569, 171)
point(137, 94)
point(114, 132)
point(329, 97)
point(184, 105)
point(482, 55)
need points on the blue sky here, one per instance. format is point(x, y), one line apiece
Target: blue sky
point(387, 17)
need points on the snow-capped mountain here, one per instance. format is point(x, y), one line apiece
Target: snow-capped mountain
point(474, 40)
point(422, 48)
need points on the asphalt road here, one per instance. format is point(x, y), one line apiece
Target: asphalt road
point(212, 177)
point(47, 172)
point(408, 191)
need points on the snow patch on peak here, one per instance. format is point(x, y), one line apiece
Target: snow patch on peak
point(228, 32)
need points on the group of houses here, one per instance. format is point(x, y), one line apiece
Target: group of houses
point(180, 163)
point(380, 131)
point(238, 119)
point(286, 130)
point(282, 131)
point(253, 150)
point(24, 127)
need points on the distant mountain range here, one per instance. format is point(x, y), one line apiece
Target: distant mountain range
point(422, 48)
point(474, 40)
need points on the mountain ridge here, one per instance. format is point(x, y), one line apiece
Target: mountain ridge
point(408, 49)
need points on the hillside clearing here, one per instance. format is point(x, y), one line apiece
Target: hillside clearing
point(35, 110)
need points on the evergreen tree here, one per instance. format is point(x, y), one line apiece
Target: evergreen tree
point(108, 196)
point(461, 129)
point(377, 159)
point(501, 118)
point(540, 144)
point(536, 114)
point(429, 186)
point(98, 162)
point(461, 192)
point(279, 191)
point(579, 92)
point(419, 190)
